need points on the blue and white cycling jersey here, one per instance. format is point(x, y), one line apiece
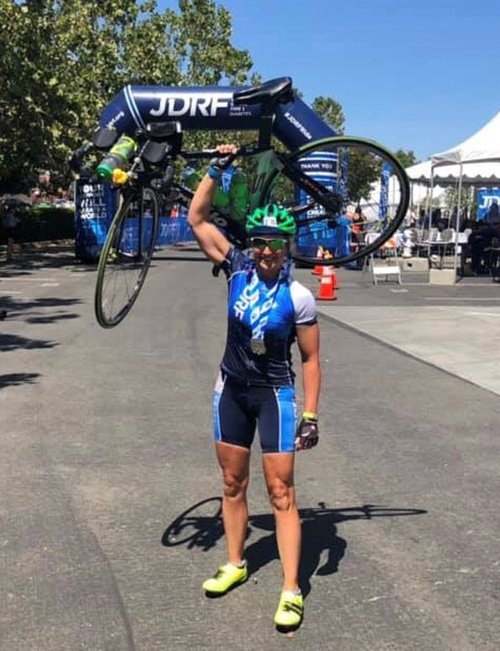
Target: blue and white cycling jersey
point(293, 304)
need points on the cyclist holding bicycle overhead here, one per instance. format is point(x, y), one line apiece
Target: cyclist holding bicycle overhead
point(267, 311)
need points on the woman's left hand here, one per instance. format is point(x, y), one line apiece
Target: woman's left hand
point(225, 156)
point(307, 434)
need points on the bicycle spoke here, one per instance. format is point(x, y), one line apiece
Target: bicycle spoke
point(126, 257)
point(355, 192)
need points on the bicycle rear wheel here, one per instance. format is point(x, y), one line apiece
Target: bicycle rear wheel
point(348, 176)
point(126, 256)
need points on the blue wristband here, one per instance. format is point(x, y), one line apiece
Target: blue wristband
point(214, 173)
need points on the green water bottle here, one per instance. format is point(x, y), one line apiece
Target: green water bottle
point(117, 157)
point(238, 196)
point(192, 179)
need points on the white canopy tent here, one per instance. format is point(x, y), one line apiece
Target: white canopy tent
point(483, 148)
point(475, 161)
point(477, 174)
point(419, 190)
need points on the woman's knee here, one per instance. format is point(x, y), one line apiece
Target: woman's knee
point(234, 485)
point(281, 494)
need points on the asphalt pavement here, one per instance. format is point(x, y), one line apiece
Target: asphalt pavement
point(110, 490)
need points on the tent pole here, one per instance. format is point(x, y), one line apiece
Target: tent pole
point(429, 212)
point(411, 200)
point(455, 264)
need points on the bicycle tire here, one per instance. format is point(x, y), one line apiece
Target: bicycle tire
point(365, 165)
point(126, 255)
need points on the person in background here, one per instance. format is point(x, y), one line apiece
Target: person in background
point(479, 244)
point(493, 216)
point(10, 222)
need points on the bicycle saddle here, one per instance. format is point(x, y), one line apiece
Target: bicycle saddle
point(277, 91)
point(161, 131)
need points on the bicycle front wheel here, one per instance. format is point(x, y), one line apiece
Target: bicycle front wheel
point(126, 256)
point(355, 193)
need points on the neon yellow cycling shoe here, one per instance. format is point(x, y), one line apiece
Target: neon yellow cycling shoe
point(227, 577)
point(290, 611)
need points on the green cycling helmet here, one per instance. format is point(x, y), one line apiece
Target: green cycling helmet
point(272, 221)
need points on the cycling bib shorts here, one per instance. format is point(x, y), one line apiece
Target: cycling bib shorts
point(239, 408)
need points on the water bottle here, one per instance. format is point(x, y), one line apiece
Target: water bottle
point(238, 196)
point(117, 157)
point(192, 179)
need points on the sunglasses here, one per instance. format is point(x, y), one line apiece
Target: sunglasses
point(260, 243)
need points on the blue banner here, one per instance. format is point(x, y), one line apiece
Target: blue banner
point(344, 174)
point(384, 190)
point(322, 167)
point(486, 198)
point(94, 209)
point(174, 230)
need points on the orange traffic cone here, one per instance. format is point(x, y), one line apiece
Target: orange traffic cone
point(328, 256)
point(327, 285)
point(318, 269)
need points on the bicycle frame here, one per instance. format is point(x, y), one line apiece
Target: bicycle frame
point(272, 109)
point(210, 108)
point(295, 124)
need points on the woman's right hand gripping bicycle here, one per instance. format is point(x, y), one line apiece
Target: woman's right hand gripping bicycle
point(323, 183)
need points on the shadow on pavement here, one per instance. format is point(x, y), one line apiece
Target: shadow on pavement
point(201, 526)
point(30, 311)
point(13, 342)
point(34, 312)
point(40, 254)
point(52, 318)
point(16, 379)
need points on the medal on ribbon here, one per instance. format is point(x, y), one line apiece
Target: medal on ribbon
point(259, 318)
point(258, 346)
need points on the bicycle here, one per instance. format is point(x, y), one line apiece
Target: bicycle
point(319, 181)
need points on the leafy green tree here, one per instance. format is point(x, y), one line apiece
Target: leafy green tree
point(61, 61)
point(467, 199)
point(363, 170)
point(331, 112)
point(406, 158)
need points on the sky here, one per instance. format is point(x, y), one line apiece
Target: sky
point(419, 75)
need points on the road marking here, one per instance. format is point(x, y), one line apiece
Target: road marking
point(28, 278)
point(399, 291)
point(458, 298)
point(50, 284)
point(8, 291)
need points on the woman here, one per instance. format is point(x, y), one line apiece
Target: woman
point(267, 311)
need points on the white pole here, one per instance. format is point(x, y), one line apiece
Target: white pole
point(429, 212)
point(455, 264)
point(411, 198)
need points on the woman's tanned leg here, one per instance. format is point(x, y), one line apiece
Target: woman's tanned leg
point(234, 461)
point(278, 471)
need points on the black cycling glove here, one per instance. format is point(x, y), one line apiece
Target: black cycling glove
point(219, 164)
point(307, 433)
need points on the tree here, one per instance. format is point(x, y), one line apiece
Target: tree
point(330, 111)
point(467, 199)
point(63, 60)
point(406, 158)
point(362, 171)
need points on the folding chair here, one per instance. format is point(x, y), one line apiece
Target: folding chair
point(388, 266)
